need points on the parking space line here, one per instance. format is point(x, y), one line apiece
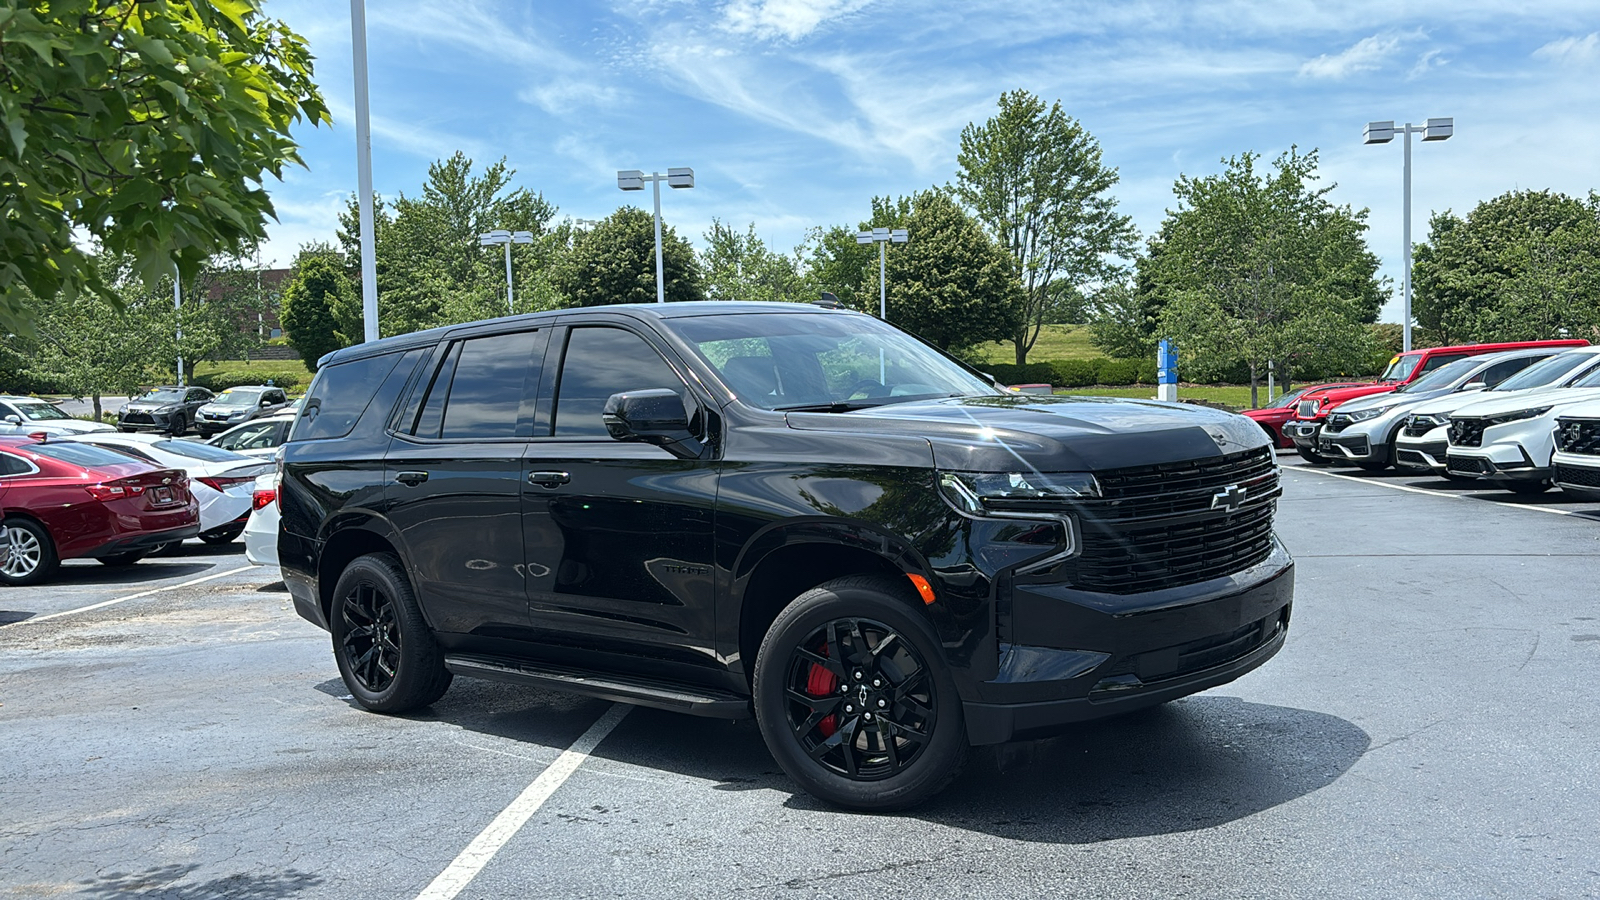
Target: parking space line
point(115, 600)
point(471, 861)
point(1417, 490)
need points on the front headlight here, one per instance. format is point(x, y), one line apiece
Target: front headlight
point(1517, 416)
point(979, 493)
point(1362, 415)
point(1432, 418)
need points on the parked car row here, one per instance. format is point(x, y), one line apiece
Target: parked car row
point(1524, 420)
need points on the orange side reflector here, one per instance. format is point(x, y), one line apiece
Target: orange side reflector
point(923, 587)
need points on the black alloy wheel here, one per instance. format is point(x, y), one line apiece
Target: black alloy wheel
point(861, 700)
point(854, 699)
point(387, 655)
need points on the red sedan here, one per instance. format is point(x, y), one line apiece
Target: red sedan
point(67, 500)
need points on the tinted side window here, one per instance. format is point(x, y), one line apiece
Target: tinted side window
point(1435, 362)
point(197, 395)
point(600, 362)
point(492, 376)
point(340, 395)
point(1500, 371)
point(14, 465)
point(432, 416)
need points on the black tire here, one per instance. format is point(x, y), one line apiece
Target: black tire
point(1529, 488)
point(871, 770)
point(33, 554)
point(224, 535)
point(402, 668)
point(170, 548)
point(124, 559)
point(1310, 456)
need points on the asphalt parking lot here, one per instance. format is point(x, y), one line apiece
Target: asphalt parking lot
point(1428, 731)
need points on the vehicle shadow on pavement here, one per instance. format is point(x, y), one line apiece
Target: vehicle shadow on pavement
point(161, 882)
point(95, 573)
point(1191, 764)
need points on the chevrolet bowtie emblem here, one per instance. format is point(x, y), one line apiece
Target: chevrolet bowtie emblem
point(1229, 498)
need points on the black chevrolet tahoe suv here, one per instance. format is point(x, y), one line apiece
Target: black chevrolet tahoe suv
point(778, 510)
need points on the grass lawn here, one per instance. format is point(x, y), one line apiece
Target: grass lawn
point(1236, 396)
point(1055, 342)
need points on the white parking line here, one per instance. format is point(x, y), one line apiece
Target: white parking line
point(471, 861)
point(1417, 490)
point(116, 600)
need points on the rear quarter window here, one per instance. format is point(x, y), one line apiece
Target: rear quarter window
point(340, 394)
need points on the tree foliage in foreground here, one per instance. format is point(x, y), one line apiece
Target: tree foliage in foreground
point(147, 127)
point(1255, 267)
point(1035, 178)
point(1523, 266)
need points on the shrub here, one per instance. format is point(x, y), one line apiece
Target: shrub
point(1075, 372)
point(227, 377)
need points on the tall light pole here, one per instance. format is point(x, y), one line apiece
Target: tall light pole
point(1383, 133)
point(633, 180)
point(369, 259)
point(502, 236)
point(177, 316)
point(882, 237)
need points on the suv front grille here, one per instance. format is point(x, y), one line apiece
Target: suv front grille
point(1307, 409)
point(1466, 432)
point(138, 419)
point(1417, 426)
point(1169, 525)
point(1580, 436)
point(1579, 476)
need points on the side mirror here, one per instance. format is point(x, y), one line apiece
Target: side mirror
point(265, 403)
point(13, 419)
point(1473, 386)
point(653, 416)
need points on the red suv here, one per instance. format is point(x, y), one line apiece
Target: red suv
point(1313, 406)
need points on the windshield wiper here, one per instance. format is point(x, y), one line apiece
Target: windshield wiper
point(835, 407)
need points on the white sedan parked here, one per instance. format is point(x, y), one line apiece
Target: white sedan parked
point(261, 532)
point(259, 438)
point(221, 480)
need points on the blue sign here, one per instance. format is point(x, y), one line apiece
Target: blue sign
point(1166, 362)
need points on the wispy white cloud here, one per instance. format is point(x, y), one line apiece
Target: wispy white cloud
point(1364, 55)
point(1427, 62)
point(788, 19)
point(1572, 50)
point(413, 137)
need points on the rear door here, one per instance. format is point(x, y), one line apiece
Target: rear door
point(454, 477)
point(618, 534)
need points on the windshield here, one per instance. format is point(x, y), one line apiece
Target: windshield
point(1443, 377)
point(160, 396)
point(232, 397)
point(794, 361)
point(1545, 372)
point(39, 412)
point(1401, 367)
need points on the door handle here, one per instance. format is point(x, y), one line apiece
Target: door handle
point(548, 479)
point(411, 479)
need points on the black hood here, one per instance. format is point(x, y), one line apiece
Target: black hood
point(1050, 434)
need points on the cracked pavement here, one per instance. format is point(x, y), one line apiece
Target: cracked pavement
point(1428, 731)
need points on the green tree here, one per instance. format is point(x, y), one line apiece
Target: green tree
point(1256, 268)
point(315, 289)
point(738, 266)
point(616, 263)
point(1036, 180)
point(89, 346)
point(147, 127)
point(1121, 322)
point(1522, 266)
point(431, 269)
point(951, 284)
point(835, 262)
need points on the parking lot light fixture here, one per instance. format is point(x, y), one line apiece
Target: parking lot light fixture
point(882, 237)
point(1383, 133)
point(502, 236)
point(633, 180)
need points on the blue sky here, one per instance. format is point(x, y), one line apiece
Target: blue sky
point(794, 113)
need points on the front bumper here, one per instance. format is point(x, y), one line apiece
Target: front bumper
point(1577, 473)
point(1302, 433)
point(1091, 655)
point(1425, 452)
point(1355, 446)
point(143, 421)
point(1500, 464)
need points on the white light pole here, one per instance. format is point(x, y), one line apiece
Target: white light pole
point(502, 236)
point(369, 259)
point(177, 312)
point(1383, 133)
point(882, 237)
point(633, 180)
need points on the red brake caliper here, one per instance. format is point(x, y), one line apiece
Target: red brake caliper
point(822, 683)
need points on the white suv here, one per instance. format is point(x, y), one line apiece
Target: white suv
point(1509, 441)
point(1577, 456)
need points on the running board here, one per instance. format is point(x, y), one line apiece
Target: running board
point(694, 700)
